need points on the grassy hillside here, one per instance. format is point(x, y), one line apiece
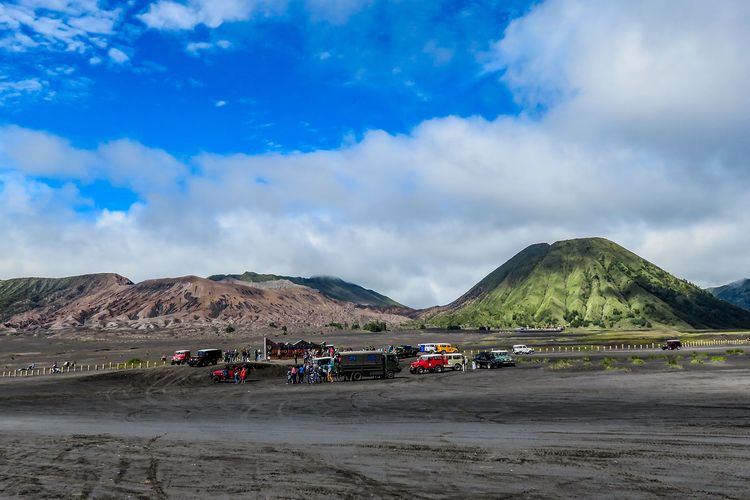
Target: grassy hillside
point(737, 293)
point(587, 282)
point(331, 287)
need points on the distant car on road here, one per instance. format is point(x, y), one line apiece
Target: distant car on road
point(180, 357)
point(522, 349)
point(493, 360)
point(671, 344)
point(205, 357)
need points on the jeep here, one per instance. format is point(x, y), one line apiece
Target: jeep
point(493, 360)
point(429, 363)
point(180, 357)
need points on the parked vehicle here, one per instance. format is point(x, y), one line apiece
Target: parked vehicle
point(671, 344)
point(406, 351)
point(522, 349)
point(226, 374)
point(427, 347)
point(357, 364)
point(446, 348)
point(493, 360)
point(180, 357)
point(205, 357)
point(429, 363)
point(325, 361)
point(456, 361)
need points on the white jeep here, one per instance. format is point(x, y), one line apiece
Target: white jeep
point(522, 349)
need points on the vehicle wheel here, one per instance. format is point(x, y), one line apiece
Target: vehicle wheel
point(216, 380)
point(458, 368)
point(439, 369)
point(389, 374)
point(356, 376)
point(420, 370)
point(173, 362)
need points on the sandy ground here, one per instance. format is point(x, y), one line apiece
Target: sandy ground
point(638, 431)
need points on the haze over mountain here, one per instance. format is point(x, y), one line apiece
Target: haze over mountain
point(112, 301)
point(586, 282)
point(737, 293)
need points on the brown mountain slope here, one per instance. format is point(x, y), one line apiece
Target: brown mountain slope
point(185, 301)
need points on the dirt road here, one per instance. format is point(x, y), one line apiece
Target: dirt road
point(531, 431)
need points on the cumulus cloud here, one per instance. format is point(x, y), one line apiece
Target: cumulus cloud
point(618, 138)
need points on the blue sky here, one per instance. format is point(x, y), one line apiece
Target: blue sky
point(278, 81)
point(360, 137)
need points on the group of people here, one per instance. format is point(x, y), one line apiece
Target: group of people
point(243, 355)
point(240, 375)
point(312, 372)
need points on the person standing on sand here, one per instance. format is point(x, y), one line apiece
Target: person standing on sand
point(243, 375)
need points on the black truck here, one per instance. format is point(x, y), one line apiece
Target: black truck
point(357, 364)
point(205, 357)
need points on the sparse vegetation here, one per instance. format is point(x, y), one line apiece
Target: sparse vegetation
point(375, 326)
point(736, 352)
point(609, 363)
point(337, 326)
point(560, 364)
point(718, 359)
point(135, 362)
point(229, 329)
point(698, 358)
point(674, 364)
point(637, 361)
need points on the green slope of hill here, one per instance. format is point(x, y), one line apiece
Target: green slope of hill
point(737, 293)
point(586, 282)
point(331, 287)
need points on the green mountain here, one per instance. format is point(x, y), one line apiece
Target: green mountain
point(586, 282)
point(334, 288)
point(737, 293)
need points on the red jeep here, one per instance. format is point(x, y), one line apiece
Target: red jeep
point(180, 357)
point(429, 363)
point(226, 374)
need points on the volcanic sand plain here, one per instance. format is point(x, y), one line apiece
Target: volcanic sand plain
point(622, 426)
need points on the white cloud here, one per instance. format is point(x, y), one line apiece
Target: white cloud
point(12, 89)
point(195, 48)
point(643, 72)
point(221, 104)
point(117, 55)
point(171, 15)
point(69, 25)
